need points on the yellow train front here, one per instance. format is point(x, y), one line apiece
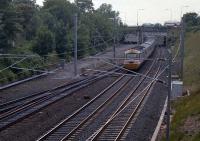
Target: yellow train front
point(132, 61)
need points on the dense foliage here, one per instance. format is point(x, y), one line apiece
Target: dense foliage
point(185, 122)
point(192, 19)
point(22, 20)
point(184, 126)
point(26, 28)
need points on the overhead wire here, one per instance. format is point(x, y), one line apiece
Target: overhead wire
point(111, 72)
point(140, 74)
point(110, 58)
point(177, 52)
point(17, 62)
point(29, 69)
point(50, 55)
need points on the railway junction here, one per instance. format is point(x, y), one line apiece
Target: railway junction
point(120, 94)
point(107, 103)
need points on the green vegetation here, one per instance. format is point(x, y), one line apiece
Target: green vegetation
point(44, 42)
point(185, 124)
point(46, 33)
point(192, 59)
point(192, 19)
point(186, 121)
point(186, 109)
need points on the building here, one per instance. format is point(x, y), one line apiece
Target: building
point(172, 24)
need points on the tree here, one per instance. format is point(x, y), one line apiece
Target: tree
point(44, 42)
point(9, 25)
point(106, 10)
point(49, 20)
point(62, 10)
point(4, 4)
point(58, 16)
point(198, 21)
point(3, 37)
point(105, 23)
point(191, 19)
point(85, 5)
point(27, 10)
point(3, 42)
point(61, 40)
point(83, 40)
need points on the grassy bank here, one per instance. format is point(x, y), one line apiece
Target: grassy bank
point(186, 121)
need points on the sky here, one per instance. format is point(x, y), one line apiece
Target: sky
point(154, 11)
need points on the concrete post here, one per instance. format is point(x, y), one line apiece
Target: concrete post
point(114, 39)
point(169, 95)
point(182, 46)
point(75, 45)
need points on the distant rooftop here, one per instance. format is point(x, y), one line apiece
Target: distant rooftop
point(172, 23)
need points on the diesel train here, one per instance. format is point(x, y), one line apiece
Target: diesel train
point(136, 56)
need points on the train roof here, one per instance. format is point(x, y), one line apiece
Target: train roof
point(140, 48)
point(146, 44)
point(132, 50)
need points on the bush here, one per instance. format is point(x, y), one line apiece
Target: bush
point(44, 42)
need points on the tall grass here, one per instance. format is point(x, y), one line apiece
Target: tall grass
point(189, 106)
point(192, 61)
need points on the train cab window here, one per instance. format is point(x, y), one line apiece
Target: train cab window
point(132, 56)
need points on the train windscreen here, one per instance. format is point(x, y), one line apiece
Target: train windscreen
point(132, 56)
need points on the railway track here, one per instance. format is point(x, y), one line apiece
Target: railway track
point(14, 103)
point(77, 126)
point(119, 124)
point(11, 104)
point(17, 110)
point(72, 121)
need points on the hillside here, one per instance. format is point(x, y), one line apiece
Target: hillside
point(186, 121)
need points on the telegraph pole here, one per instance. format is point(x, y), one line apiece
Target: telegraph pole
point(168, 46)
point(169, 94)
point(137, 17)
point(138, 32)
point(114, 40)
point(75, 45)
point(182, 45)
point(142, 35)
point(138, 29)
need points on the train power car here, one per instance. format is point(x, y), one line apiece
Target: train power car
point(136, 56)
